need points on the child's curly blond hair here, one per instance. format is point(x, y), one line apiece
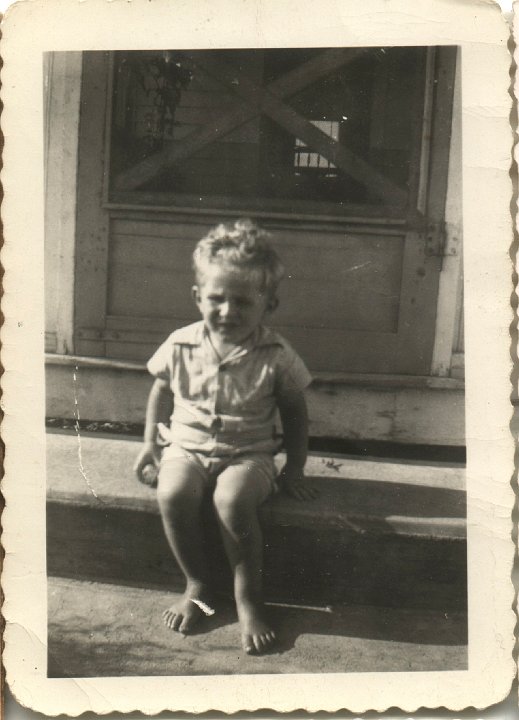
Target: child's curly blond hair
point(243, 245)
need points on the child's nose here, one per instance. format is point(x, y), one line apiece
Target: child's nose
point(226, 309)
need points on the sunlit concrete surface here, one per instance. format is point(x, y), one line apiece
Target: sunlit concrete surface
point(111, 630)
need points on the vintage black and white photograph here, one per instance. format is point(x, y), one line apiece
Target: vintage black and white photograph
point(261, 398)
point(318, 323)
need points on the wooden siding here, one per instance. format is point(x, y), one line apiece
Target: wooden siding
point(353, 280)
point(345, 302)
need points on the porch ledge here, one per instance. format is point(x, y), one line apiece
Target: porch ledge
point(96, 362)
point(320, 378)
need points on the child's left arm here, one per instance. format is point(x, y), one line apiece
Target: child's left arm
point(294, 420)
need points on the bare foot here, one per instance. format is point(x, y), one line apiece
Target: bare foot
point(257, 636)
point(186, 613)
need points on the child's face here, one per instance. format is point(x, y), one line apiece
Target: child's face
point(232, 303)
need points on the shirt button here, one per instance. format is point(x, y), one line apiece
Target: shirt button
point(216, 425)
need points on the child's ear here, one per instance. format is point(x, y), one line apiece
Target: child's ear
point(272, 303)
point(195, 293)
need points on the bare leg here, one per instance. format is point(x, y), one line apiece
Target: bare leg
point(180, 492)
point(238, 495)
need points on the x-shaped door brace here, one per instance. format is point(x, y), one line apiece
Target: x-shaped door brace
point(267, 100)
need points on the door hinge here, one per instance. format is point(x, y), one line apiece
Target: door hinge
point(435, 237)
point(439, 241)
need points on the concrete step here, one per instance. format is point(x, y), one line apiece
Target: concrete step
point(100, 629)
point(380, 533)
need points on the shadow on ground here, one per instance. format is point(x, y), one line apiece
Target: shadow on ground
point(102, 630)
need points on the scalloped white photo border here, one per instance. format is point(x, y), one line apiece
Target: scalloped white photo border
point(32, 28)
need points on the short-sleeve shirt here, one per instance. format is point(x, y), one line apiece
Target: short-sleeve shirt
point(224, 406)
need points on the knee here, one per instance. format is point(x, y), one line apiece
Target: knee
point(177, 499)
point(232, 510)
point(225, 503)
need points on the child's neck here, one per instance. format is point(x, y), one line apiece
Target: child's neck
point(222, 348)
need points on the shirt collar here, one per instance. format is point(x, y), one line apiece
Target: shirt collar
point(190, 334)
point(194, 335)
point(266, 336)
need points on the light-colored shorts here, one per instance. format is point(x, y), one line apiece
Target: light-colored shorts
point(209, 466)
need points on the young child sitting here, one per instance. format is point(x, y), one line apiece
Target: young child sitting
point(224, 378)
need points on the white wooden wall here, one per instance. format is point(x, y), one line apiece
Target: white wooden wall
point(62, 97)
point(448, 356)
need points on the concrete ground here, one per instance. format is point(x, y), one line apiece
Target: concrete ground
point(383, 545)
point(98, 629)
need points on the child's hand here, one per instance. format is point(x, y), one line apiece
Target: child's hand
point(293, 483)
point(148, 456)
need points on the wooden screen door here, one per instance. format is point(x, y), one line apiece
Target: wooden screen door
point(342, 152)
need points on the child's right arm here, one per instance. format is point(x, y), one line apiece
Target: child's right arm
point(158, 410)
